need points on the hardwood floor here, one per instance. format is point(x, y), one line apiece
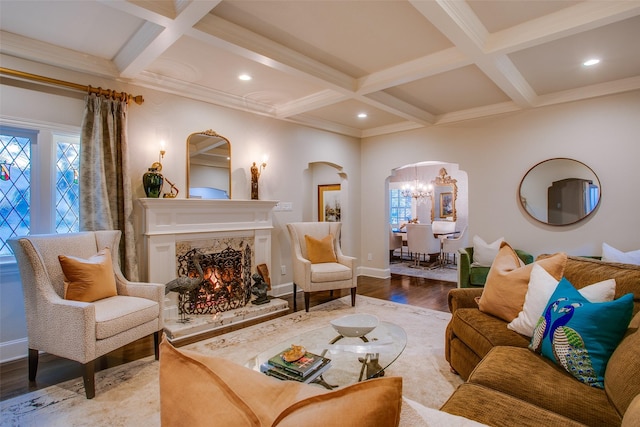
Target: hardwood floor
point(52, 370)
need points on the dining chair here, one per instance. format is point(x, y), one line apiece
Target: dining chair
point(395, 242)
point(453, 243)
point(421, 241)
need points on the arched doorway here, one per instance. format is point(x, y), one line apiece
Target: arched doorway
point(433, 206)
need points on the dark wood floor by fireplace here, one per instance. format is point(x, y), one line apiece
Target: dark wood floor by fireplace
point(416, 291)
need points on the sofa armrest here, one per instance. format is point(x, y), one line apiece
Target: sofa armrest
point(463, 298)
point(464, 267)
point(526, 257)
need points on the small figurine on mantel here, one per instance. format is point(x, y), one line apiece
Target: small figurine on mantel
point(261, 284)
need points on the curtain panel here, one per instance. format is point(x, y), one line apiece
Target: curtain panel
point(106, 199)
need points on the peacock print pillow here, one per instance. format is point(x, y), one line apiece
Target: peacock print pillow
point(580, 335)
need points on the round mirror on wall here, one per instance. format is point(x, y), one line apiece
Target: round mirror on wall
point(208, 166)
point(559, 191)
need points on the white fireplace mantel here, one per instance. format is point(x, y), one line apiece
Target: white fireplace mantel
point(166, 221)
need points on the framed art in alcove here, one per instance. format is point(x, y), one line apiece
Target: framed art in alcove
point(329, 203)
point(446, 205)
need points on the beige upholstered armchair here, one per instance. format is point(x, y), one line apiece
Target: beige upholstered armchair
point(318, 262)
point(74, 329)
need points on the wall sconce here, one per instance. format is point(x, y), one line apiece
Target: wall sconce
point(255, 175)
point(163, 151)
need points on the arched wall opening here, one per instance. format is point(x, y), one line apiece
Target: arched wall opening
point(426, 172)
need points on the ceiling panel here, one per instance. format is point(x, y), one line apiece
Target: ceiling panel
point(455, 90)
point(354, 37)
point(500, 15)
point(209, 66)
point(83, 26)
point(557, 65)
point(346, 113)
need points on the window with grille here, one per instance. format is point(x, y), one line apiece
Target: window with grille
point(400, 207)
point(38, 183)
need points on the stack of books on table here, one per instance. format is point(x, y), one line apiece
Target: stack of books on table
point(306, 369)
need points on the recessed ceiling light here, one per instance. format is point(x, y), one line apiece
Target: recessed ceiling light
point(245, 77)
point(591, 62)
point(362, 115)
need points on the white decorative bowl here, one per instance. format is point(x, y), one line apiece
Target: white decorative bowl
point(355, 325)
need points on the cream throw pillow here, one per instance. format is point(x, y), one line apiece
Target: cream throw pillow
point(90, 279)
point(507, 282)
point(611, 254)
point(541, 287)
point(319, 251)
point(484, 253)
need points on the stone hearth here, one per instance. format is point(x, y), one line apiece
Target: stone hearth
point(200, 323)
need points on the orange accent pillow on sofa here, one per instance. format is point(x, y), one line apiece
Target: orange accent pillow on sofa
point(507, 282)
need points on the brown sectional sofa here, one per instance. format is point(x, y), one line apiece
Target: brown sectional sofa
point(507, 384)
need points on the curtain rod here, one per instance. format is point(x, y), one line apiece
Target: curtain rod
point(97, 90)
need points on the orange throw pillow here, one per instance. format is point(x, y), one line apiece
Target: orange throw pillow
point(88, 280)
point(243, 397)
point(319, 251)
point(507, 282)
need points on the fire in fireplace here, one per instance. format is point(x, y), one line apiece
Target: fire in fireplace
point(226, 266)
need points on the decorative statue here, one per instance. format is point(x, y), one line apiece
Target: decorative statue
point(185, 284)
point(255, 174)
point(259, 289)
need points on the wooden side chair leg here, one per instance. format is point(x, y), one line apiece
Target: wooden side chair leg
point(156, 344)
point(307, 296)
point(89, 379)
point(353, 297)
point(33, 364)
point(295, 294)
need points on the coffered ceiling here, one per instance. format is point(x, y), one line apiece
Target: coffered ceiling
point(406, 64)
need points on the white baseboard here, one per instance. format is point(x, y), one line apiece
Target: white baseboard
point(379, 273)
point(13, 350)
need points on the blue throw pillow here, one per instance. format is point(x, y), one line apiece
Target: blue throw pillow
point(580, 335)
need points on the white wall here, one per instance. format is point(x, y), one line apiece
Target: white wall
point(497, 152)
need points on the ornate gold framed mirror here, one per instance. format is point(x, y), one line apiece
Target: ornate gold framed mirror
point(208, 166)
point(443, 197)
point(559, 191)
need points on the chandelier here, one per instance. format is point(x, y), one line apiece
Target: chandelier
point(417, 190)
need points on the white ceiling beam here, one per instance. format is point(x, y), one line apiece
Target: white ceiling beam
point(393, 105)
point(312, 102)
point(566, 22)
point(240, 41)
point(34, 50)
point(593, 91)
point(435, 63)
point(151, 41)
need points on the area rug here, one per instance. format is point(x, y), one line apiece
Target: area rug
point(128, 395)
point(406, 268)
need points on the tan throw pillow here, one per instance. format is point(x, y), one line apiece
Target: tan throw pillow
point(90, 279)
point(319, 251)
point(248, 398)
point(507, 282)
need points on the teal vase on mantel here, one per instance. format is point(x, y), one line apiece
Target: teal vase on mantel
point(152, 181)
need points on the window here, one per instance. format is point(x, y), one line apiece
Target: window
point(38, 182)
point(400, 207)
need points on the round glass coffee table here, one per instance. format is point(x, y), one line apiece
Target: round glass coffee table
point(352, 359)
